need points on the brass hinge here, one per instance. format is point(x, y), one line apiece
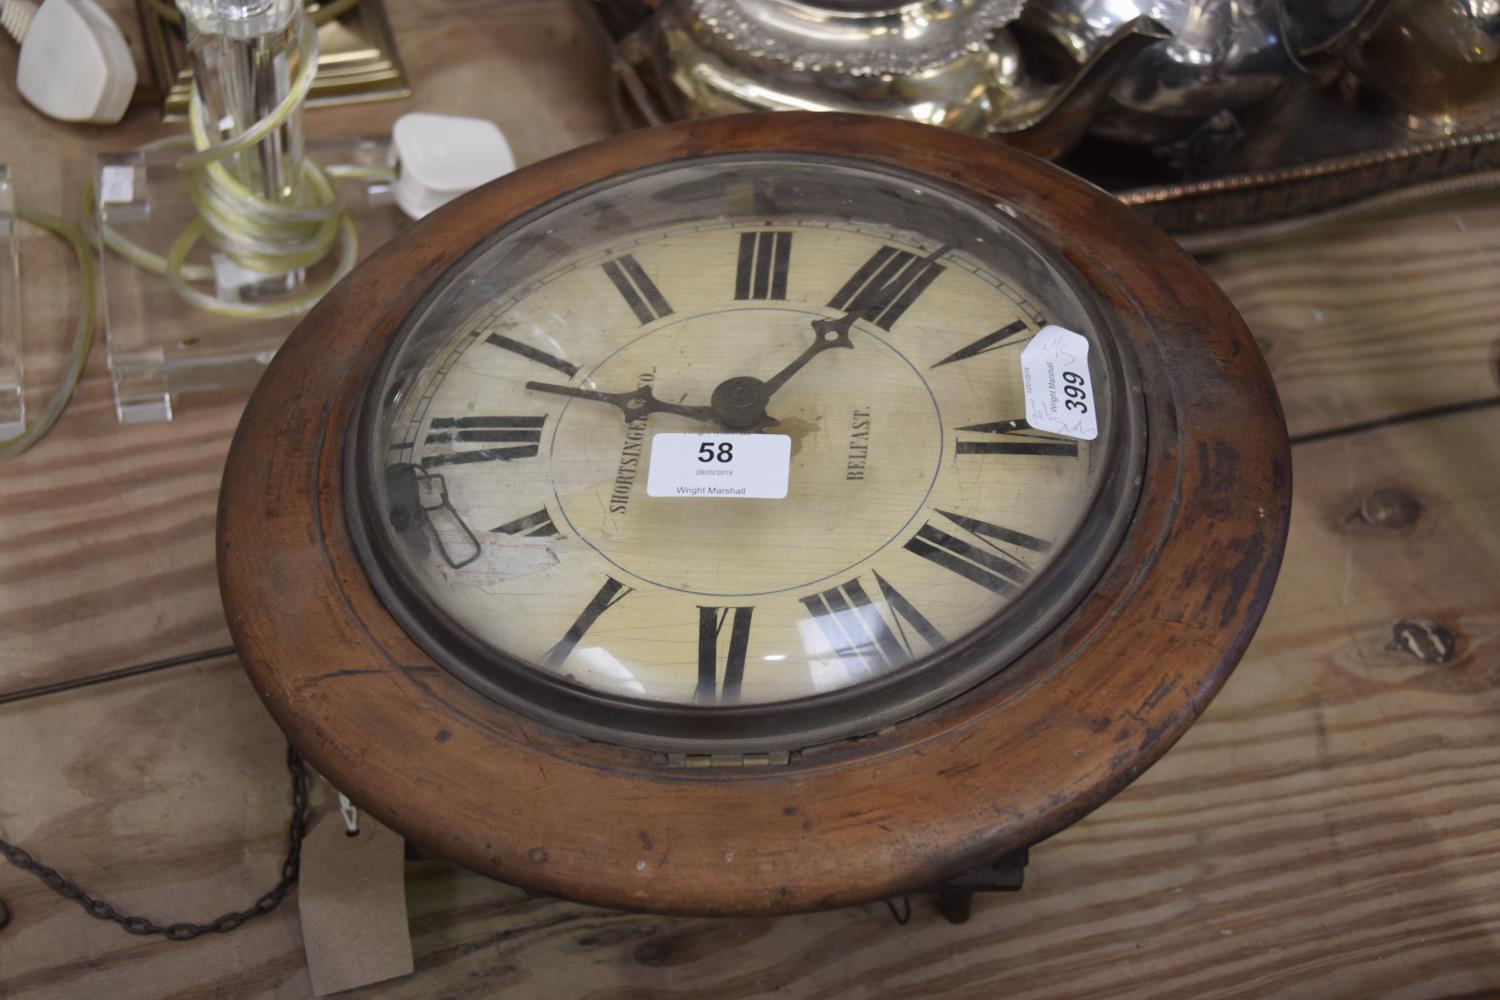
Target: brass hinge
point(773, 758)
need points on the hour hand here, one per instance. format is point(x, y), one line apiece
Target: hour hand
point(634, 405)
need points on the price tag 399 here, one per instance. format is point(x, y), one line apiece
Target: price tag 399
point(735, 466)
point(1059, 392)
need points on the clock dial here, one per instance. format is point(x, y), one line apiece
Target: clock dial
point(519, 414)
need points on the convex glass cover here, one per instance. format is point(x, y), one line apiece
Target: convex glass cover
point(873, 320)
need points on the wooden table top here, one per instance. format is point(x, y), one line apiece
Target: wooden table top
point(1329, 828)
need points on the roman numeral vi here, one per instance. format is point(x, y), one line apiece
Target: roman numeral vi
point(710, 624)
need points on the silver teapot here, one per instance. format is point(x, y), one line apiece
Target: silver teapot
point(954, 63)
point(1223, 55)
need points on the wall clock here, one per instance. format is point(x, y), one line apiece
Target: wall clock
point(754, 515)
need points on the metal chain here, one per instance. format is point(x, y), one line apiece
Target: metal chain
point(68, 889)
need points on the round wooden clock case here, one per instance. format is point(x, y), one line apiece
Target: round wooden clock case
point(989, 761)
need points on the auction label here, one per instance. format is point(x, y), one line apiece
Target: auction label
point(1059, 392)
point(746, 466)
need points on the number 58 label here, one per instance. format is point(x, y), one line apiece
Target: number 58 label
point(744, 466)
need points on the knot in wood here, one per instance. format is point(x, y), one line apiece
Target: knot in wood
point(1390, 509)
point(1427, 640)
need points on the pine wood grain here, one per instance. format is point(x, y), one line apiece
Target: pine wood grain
point(1391, 314)
point(1326, 830)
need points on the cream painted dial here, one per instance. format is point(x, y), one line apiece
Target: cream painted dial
point(519, 420)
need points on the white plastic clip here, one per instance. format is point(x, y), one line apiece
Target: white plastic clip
point(350, 813)
point(351, 816)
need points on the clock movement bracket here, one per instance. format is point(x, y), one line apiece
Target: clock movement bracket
point(955, 896)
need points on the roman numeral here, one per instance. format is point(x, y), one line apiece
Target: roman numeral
point(858, 631)
point(989, 342)
point(638, 290)
point(761, 271)
point(523, 434)
point(531, 353)
point(1015, 440)
point(536, 525)
point(1000, 570)
point(611, 593)
point(710, 624)
point(887, 284)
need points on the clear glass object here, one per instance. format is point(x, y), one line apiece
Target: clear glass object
point(12, 371)
point(245, 56)
point(507, 441)
point(160, 345)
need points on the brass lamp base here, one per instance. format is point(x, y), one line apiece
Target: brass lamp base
point(357, 57)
